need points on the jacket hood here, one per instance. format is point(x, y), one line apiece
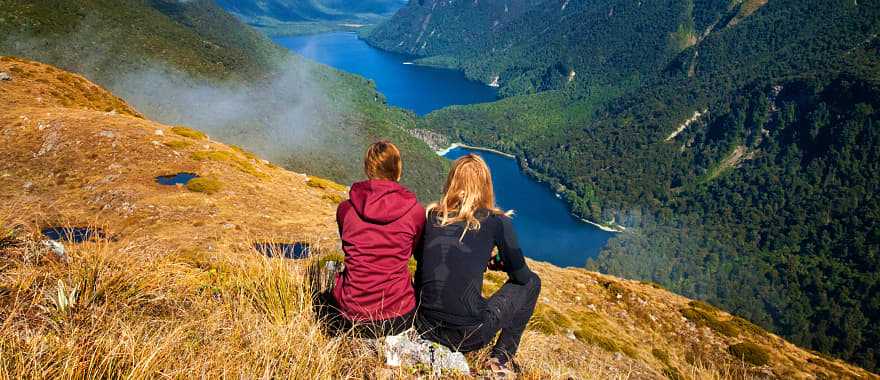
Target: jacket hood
point(381, 201)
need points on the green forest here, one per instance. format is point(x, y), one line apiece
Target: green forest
point(764, 202)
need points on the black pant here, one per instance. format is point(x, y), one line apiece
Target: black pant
point(508, 310)
point(334, 324)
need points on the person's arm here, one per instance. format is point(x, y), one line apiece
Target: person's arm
point(512, 258)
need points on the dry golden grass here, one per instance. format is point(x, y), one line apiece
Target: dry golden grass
point(177, 290)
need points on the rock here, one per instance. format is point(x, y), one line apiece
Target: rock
point(5, 77)
point(107, 134)
point(57, 248)
point(159, 132)
point(228, 226)
point(409, 350)
point(28, 186)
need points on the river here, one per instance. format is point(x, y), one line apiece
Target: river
point(547, 230)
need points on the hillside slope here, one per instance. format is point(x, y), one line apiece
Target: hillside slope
point(176, 288)
point(192, 63)
point(744, 162)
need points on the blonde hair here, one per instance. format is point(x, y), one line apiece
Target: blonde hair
point(468, 189)
point(383, 161)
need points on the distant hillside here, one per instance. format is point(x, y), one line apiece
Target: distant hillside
point(192, 63)
point(528, 46)
point(737, 141)
point(290, 17)
point(173, 285)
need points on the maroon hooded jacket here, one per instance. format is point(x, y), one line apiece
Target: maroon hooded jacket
point(380, 226)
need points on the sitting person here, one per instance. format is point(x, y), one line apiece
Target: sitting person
point(461, 232)
point(379, 225)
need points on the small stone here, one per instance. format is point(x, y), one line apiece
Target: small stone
point(5, 77)
point(28, 186)
point(228, 226)
point(619, 296)
point(56, 248)
point(107, 134)
point(156, 143)
point(206, 146)
point(160, 132)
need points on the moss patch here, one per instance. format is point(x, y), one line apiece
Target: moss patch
point(333, 198)
point(189, 132)
point(248, 154)
point(750, 353)
point(204, 185)
point(326, 184)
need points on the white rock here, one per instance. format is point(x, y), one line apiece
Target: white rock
point(5, 77)
point(160, 132)
point(56, 248)
point(107, 134)
point(407, 349)
point(28, 186)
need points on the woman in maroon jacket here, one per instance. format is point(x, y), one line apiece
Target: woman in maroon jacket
point(380, 225)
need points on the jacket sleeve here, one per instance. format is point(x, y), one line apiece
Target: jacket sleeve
point(419, 221)
point(511, 254)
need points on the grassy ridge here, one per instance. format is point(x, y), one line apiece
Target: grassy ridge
point(172, 59)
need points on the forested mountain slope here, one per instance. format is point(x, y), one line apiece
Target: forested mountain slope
point(527, 46)
point(192, 63)
point(744, 161)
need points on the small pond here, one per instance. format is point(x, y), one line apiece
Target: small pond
point(175, 179)
point(73, 234)
point(293, 251)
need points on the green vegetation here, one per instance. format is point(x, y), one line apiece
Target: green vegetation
point(178, 144)
point(325, 184)
point(750, 353)
point(189, 132)
point(204, 185)
point(764, 205)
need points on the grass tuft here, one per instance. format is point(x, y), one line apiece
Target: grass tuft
point(189, 132)
point(704, 318)
point(326, 184)
point(750, 353)
point(204, 185)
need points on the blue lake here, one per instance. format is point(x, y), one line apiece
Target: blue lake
point(547, 230)
point(417, 88)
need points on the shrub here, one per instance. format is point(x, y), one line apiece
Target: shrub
point(750, 353)
point(204, 185)
point(189, 132)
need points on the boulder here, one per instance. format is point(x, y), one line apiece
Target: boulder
point(409, 350)
point(5, 76)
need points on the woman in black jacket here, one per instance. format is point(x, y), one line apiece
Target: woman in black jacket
point(462, 231)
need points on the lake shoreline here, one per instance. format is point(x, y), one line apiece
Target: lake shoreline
point(611, 227)
point(453, 146)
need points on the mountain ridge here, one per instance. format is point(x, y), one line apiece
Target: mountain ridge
point(176, 286)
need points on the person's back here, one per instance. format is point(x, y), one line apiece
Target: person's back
point(380, 225)
point(461, 231)
point(453, 293)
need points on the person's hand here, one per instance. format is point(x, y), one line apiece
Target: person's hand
point(495, 262)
